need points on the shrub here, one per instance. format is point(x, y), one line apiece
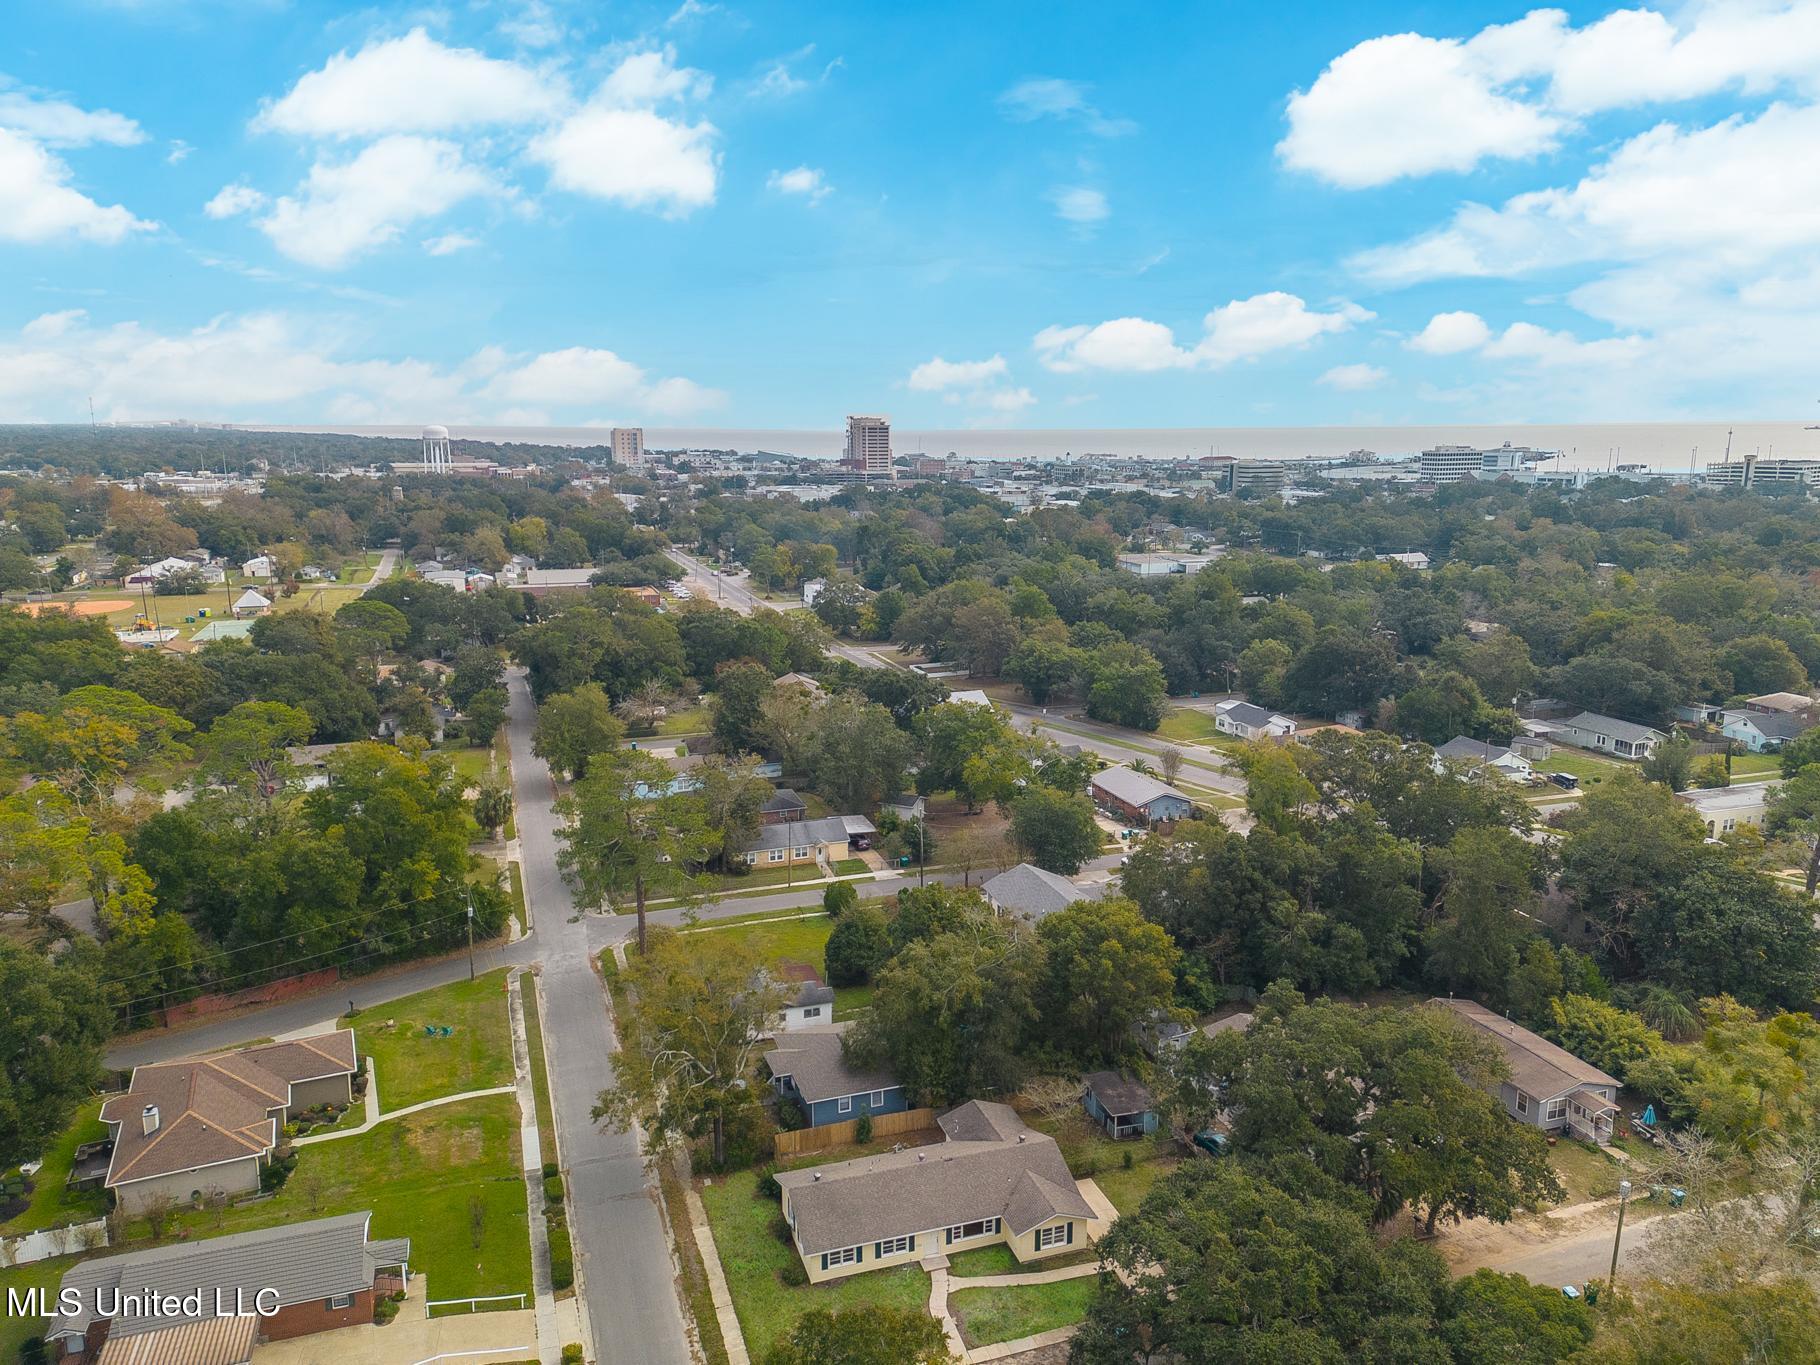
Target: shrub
point(790, 1116)
point(780, 1228)
point(550, 1168)
point(767, 1183)
point(384, 1311)
point(859, 946)
point(1130, 1160)
point(552, 1189)
point(562, 1253)
point(862, 1126)
point(571, 1353)
point(793, 1273)
point(839, 898)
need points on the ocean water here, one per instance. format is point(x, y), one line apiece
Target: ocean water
point(1661, 445)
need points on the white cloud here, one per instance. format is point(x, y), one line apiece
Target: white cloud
point(411, 84)
point(691, 10)
point(1042, 97)
point(449, 243)
point(1717, 196)
point(273, 367)
point(618, 148)
point(1406, 104)
point(804, 181)
point(1451, 333)
point(534, 25)
point(38, 205)
point(1008, 400)
point(1079, 204)
point(1354, 378)
point(778, 79)
point(933, 376)
point(58, 123)
point(583, 375)
point(179, 150)
point(1240, 330)
point(344, 209)
point(232, 200)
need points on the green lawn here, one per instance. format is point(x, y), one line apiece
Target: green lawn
point(796, 940)
point(1127, 1188)
point(989, 1315)
point(358, 569)
point(15, 1332)
point(540, 1079)
point(53, 1206)
point(1582, 765)
point(516, 884)
point(990, 1260)
point(447, 1178)
point(753, 1258)
point(472, 764)
point(1755, 765)
point(412, 1068)
point(1089, 1152)
point(692, 720)
point(1185, 725)
point(1586, 1172)
point(851, 867)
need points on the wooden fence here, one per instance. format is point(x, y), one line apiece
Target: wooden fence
point(840, 1134)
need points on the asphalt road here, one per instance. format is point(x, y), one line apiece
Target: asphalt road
point(1118, 745)
point(621, 1247)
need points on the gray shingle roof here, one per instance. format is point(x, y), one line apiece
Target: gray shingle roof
point(1011, 1172)
point(830, 829)
point(1783, 725)
point(1537, 1066)
point(300, 1261)
point(1133, 788)
point(1119, 1094)
point(1473, 750)
point(812, 1058)
point(781, 800)
point(1246, 714)
point(1608, 725)
point(813, 993)
point(1029, 890)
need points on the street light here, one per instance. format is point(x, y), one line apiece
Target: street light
point(470, 935)
point(1611, 1282)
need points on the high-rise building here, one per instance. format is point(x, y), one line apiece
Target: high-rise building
point(1450, 464)
point(869, 447)
point(628, 446)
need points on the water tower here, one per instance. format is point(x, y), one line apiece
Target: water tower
point(436, 457)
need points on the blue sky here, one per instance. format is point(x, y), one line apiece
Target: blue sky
point(1033, 215)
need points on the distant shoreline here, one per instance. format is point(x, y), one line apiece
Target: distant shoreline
point(1584, 445)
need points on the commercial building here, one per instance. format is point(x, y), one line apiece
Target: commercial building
point(628, 446)
point(1450, 464)
point(1750, 473)
point(868, 447)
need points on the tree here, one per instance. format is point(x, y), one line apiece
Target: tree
point(1125, 686)
point(858, 755)
point(1731, 931)
point(58, 1015)
point(1342, 670)
point(1043, 666)
point(1105, 969)
point(1658, 1321)
point(1794, 808)
point(870, 1334)
point(838, 899)
point(574, 728)
point(1169, 764)
point(690, 1038)
point(949, 1012)
point(493, 805)
point(1056, 830)
point(859, 945)
point(370, 627)
point(620, 841)
point(1487, 877)
point(646, 705)
point(951, 737)
point(1445, 705)
point(840, 603)
point(787, 725)
point(1275, 790)
point(1626, 841)
point(1220, 1263)
point(94, 737)
point(985, 633)
point(1762, 663)
point(740, 689)
point(478, 668)
point(733, 797)
point(486, 712)
point(246, 747)
point(1671, 763)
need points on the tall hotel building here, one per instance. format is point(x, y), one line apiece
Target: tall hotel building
point(869, 447)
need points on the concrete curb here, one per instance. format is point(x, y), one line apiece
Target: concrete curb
point(730, 1335)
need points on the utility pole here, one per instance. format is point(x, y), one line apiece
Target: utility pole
point(790, 851)
point(470, 935)
point(922, 847)
point(1611, 1281)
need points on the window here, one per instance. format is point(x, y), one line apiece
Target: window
point(1522, 1103)
point(775, 855)
point(803, 851)
point(985, 1227)
point(751, 860)
point(1555, 1111)
point(894, 1246)
point(878, 1099)
point(845, 1256)
point(341, 1301)
point(1054, 1237)
point(844, 1105)
point(812, 1011)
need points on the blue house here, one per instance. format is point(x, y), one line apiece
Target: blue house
point(806, 1065)
point(1121, 1106)
point(1763, 731)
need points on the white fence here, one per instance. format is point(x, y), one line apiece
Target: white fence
point(49, 1242)
point(428, 1304)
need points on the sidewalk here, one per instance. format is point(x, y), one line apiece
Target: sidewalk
point(375, 1118)
point(549, 1344)
point(730, 1335)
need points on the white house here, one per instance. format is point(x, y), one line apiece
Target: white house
point(1413, 559)
point(812, 589)
point(259, 566)
point(810, 1007)
point(1245, 721)
point(1478, 755)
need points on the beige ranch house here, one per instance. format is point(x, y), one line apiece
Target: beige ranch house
point(209, 1125)
point(993, 1180)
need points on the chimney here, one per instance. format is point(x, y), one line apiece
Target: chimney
point(150, 1119)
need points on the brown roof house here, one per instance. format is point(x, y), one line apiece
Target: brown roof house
point(992, 1181)
point(1549, 1088)
point(209, 1125)
point(210, 1302)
